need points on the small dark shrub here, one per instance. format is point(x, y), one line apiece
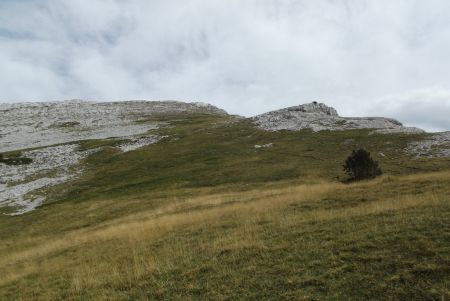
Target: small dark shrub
point(360, 166)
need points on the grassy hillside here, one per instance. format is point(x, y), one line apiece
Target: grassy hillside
point(205, 215)
point(208, 150)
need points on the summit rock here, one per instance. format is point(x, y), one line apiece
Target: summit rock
point(320, 117)
point(314, 108)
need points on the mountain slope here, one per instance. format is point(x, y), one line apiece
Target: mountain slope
point(49, 134)
point(222, 209)
point(57, 137)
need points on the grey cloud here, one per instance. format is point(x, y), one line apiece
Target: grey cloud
point(247, 56)
point(426, 108)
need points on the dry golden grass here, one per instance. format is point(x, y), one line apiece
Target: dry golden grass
point(247, 208)
point(156, 223)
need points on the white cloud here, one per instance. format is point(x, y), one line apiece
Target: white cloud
point(247, 56)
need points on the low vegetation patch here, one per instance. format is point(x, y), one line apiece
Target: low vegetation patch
point(15, 160)
point(67, 124)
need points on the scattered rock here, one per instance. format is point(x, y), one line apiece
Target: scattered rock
point(437, 145)
point(264, 145)
point(50, 166)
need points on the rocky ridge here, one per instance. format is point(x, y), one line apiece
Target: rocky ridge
point(320, 117)
point(30, 125)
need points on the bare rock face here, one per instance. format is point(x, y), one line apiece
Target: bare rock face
point(314, 108)
point(320, 117)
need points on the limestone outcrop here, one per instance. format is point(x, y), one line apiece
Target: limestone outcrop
point(320, 117)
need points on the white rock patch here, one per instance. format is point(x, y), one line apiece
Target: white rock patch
point(20, 184)
point(27, 206)
point(438, 145)
point(257, 146)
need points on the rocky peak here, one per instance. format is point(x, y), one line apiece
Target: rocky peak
point(316, 108)
point(320, 117)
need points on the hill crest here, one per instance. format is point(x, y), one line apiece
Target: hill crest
point(320, 117)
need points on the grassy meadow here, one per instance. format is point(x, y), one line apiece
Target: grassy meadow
point(204, 215)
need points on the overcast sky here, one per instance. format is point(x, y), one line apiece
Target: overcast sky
point(375, 57)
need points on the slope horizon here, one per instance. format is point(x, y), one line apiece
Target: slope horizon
point(421, 126)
